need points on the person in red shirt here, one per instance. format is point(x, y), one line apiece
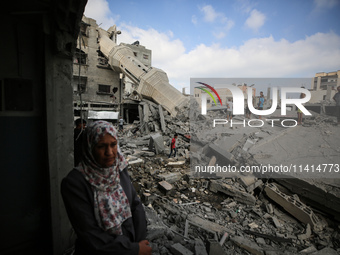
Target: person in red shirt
point(173, 146)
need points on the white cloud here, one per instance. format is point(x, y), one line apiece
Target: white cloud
point(211, 16)
point(258, 57)
point(163, 47)
point(221, 32)
point(256, 20)
point(325, 4)
point(209, 13)
point(100, 11)
point(194, 19)
point(244, 6)
point(320, 6)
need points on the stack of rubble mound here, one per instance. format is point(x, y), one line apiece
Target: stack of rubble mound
point(190, 213)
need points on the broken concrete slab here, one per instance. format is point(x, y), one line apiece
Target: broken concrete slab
point(165, 187)
point(176, 163)
point(229, 143)
point(207, 225)
point(156, 227)
point(178, 249)
point(170, 177)
point(214, 248)
point(322, 194)
point(246, 244)
point(325, 251)
point(249, 182)
point(220, 153)
point(276, 222)
point(294, 207)
point(136, 162)
point(307, 234)
point(156, 143)
point(200, 247)
point(239, 195)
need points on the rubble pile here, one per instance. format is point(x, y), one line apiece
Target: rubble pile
point(191, 213)
point(185, 213)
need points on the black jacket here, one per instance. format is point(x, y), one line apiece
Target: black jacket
point(91, 239)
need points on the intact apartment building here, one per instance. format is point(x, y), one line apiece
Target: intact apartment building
point(96, 86)
point(324, 85)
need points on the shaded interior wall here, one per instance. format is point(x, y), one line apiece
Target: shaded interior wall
point(36, 131)
point(25, 207)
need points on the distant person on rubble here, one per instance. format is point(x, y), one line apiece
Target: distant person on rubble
point(337, 104)
point(299, 112)
point(80, 125)
point(262, 100)
point(121, 123)
point(100, 200)
point(229, 109)
point(173, 146)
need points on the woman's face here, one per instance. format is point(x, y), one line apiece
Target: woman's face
point(105, 151)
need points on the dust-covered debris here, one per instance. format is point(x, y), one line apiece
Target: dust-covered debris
point(191, 213)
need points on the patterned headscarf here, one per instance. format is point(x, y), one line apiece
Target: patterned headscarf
point(111, 205)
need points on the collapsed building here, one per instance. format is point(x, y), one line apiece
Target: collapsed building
point(111, 77)
point(187, 214)
point(211, 213)
point(217, 213)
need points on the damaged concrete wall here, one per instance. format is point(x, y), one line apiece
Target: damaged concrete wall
point(152, 83)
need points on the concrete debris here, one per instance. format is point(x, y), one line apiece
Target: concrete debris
point(200, 248)
point(214, 247)
point(156, 143)
point(191, 213)
point(233, 191)
point(294, 207)
point(178, 249)
point(250, 246)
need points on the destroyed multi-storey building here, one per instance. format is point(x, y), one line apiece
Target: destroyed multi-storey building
point(186, 213)
point(97, 86)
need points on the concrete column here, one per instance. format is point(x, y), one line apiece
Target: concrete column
point(268, 93)
point(329, 92)
point(269, 100)
point(59, 118)
point(141, 118)
point(318, 83)
point(127, 115)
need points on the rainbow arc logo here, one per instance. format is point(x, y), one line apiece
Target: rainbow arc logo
point(209, 93)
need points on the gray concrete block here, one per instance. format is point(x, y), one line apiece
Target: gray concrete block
point(251, 247)
point(214, 248)
point(170, 177)
point(200, 248)
point(178, 249)
point(241, 196)
point(220, 153)
point(165, 187)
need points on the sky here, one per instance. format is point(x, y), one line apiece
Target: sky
point(229, 38)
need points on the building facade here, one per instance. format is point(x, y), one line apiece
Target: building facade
point(323, 86)
point(96, 86)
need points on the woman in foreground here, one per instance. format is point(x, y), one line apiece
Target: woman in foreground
point(101, 203)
